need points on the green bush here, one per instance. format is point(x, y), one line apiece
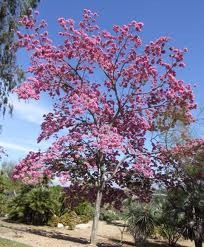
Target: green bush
point(140, 220)
point(8, 188)
point(36, 205)
point(170, 218)
point(3, 204)
point(84, 209)
point(109, 215)
point(170, 232)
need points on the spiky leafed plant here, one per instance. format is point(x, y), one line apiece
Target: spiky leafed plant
point(141, 220)
point(36, 205)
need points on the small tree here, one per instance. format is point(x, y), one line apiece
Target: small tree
point(111, 95)
point(170, 216)
point(183, 175)
point(8, 187)
point(194, 216)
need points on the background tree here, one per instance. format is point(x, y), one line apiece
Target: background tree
point(170, 217)
point(10, 72)
point(184, 176)
point(8, 187)
point(111, 95)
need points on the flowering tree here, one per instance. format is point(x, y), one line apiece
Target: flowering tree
point(111, 94)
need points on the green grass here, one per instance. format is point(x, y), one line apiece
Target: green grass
point(8, 243)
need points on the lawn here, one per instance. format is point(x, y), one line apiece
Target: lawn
point(8, 243)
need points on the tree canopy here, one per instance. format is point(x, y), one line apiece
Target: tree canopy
point(10, 72)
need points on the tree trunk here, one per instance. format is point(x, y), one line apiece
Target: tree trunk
point(198, 242)
point(96, 217)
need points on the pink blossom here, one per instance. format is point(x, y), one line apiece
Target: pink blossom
point(110, 94)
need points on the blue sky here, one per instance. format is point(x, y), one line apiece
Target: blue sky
point(181, 20)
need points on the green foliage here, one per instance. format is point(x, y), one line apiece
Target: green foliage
point(169, 218)
point(3, 204)
point(187, 198)
point(181, 213)
point(109, 215)
point(8, 187)
point(170, 232)
point(10, 73)
point(193, 209)
point(2, 196)
point(70, 219)
point(45, 205)
point(58, 200)
point(36, 205)
point(170, 221)
point(140, 220)
point(84, 209)
point(83, 213)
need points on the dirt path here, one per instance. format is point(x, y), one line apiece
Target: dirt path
point(108, 235)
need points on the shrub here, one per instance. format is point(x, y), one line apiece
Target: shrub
point(53, 221)
point(36, 205)
point(170, 225)
point(84, 209)
point(8, 188)
point(140, 220)
point(109, 215)
point(170, 218)
point(170, 232)
point(3, 204)
point(58, 200)
point(70, 219)
point(84, 219)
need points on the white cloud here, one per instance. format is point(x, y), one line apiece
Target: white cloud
point(14, 146)
point(30, 111)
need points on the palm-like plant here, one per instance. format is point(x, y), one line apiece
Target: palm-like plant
point(37, 205)
point(141, 221)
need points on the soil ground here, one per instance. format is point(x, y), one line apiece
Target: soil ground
point(43, 236)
